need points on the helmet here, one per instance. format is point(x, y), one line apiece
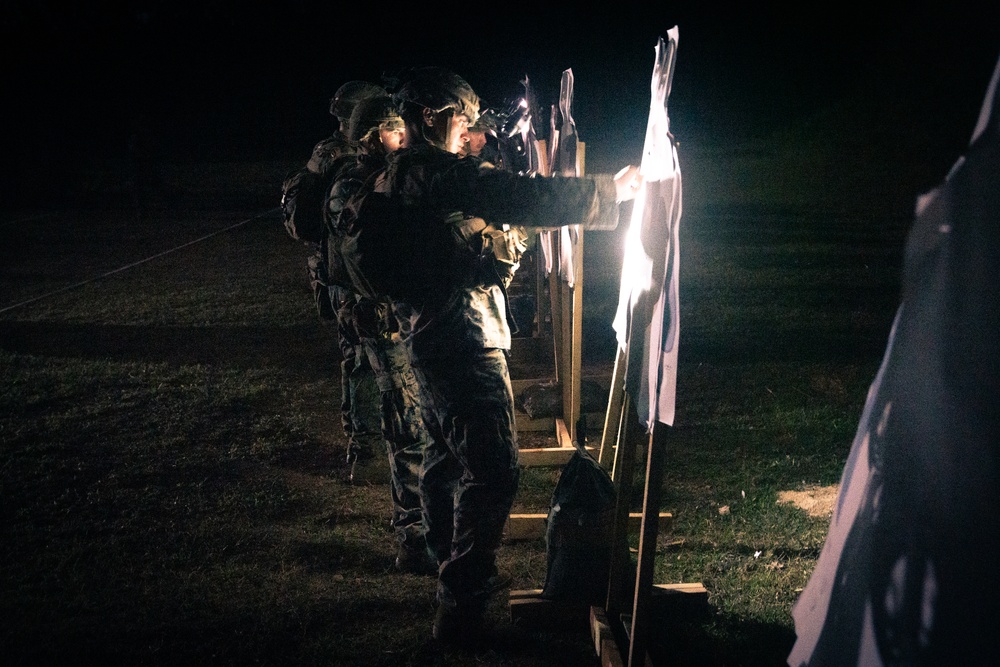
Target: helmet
point(438, 89)
point(373, 113)
point(348, 95)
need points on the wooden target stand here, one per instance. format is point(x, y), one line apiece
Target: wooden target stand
point(619, 628)
point(562, 306)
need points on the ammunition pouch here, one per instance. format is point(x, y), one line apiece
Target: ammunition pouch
point(492, 254)
point(495, 252)
point(506, 248)
point(374, 319)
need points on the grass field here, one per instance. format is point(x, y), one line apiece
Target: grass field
point(171, 460)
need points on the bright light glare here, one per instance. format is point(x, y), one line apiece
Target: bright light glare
point(637, 269)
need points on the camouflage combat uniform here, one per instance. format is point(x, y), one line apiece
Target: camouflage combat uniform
point(358, 391)
point(375, 331)
point(356, 380)
point(459, 339)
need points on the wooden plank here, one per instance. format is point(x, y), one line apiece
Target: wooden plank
point(599, 628)
point(547, 456)
point(572, 410)
point(694, 589)
point(527, 526)
point(605, 646)
point(610, 655)
point(556, 310)
point(655, 464)
point(566, 377)
point(564, 435)
point(688, 590)
point(573, 299)
point(613, 417)
point(622, 570)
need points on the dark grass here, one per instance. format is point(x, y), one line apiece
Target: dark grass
point(172, 465)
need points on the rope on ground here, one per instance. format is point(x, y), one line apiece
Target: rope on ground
point(141, 261)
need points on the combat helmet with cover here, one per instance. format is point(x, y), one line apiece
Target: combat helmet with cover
point(372, 114)
point(437, 89)
point(349, 95)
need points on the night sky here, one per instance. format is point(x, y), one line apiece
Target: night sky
point(227, 80)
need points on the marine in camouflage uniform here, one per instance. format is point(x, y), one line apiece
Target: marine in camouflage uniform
point(358, 391)
point(377, 129)
point(458, 334)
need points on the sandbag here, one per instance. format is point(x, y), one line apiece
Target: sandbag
point(545, 399)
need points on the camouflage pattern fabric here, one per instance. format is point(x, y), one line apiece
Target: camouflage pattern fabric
point(470, 470)
point(326, 152)
point(458, 342)
point(359, 391)
point(404, 434)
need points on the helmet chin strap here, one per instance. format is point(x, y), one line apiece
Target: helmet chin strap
point(448, 127)
point(431, 138)
point(434, 138)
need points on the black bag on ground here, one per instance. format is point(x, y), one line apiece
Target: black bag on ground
point(579, 532)
point(303, 194)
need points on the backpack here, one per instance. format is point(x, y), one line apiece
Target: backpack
point(302, 196)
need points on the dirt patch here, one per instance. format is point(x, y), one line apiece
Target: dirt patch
point(815, 500)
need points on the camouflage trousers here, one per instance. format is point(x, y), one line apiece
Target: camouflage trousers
point(470, 470)
point(403, 430)
point(361, 389)
point(347, 342)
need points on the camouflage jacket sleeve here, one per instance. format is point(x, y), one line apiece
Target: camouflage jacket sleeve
point(340, 192)
point(449, 183)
